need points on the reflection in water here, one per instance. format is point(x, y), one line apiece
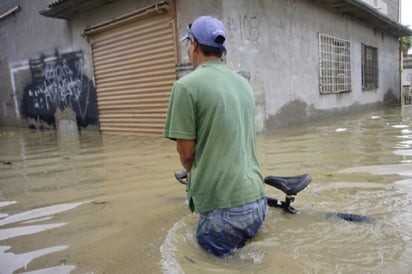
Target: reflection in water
point(8, 233)
point(138, 221)
point(401, 169)
point(37, 213)
point(11, 262)
point(63, 269)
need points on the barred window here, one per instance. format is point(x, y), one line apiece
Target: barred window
point(334, 65)
point(369, 67)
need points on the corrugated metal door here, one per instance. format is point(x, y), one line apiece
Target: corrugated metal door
point(134, 66)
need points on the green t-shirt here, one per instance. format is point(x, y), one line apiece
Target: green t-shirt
point(215, 107)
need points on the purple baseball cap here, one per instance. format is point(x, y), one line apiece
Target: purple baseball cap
point(208, 31)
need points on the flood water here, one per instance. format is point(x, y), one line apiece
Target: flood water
point(86, 203)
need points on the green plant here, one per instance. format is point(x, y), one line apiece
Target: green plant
point(406, 44)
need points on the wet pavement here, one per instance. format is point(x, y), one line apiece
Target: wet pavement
point(86, 203)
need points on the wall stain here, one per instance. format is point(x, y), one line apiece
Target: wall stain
point(298, 112)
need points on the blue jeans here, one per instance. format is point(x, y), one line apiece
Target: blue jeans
point(222, 231)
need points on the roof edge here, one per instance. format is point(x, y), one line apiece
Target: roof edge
point(380, 16)
point(64, 9)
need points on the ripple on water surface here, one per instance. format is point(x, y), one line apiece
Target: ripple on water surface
point(359, 164)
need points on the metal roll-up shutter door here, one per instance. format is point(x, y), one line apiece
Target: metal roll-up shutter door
point(135, 67)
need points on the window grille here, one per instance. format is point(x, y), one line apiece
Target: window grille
point(369, 67)
point(334, 62)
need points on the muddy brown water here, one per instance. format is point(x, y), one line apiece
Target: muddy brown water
point(87, 203)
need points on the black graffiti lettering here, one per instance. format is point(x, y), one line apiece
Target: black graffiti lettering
point(59, 82)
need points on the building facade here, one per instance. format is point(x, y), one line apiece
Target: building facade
point(407, 79)
point(113, 62)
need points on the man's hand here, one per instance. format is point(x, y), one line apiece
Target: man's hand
point(182, 177)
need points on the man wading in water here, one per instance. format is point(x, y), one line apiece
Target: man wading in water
point(211, 116)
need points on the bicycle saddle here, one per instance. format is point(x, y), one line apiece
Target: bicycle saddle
point(289, 185)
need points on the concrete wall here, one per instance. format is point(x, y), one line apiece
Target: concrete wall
point(388, 7)
point(407, 77)
point(274, 44)
point(407, 70)
point(25, 38)
point(42, 70)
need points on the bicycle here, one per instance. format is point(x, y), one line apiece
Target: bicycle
point(291, 186)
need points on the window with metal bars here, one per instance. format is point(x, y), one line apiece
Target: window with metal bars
point(334, 65)
point(369, 67)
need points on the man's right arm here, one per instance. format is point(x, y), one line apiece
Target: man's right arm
point(186, 150)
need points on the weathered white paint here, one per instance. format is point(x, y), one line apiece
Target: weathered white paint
point(15, 68)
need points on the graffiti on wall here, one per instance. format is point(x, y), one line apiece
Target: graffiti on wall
point(59, 82)
point(248, 26)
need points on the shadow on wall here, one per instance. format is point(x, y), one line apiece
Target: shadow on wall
point(59, 83)
point(293, 113)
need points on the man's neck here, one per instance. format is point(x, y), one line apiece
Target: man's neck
point(203, 59)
